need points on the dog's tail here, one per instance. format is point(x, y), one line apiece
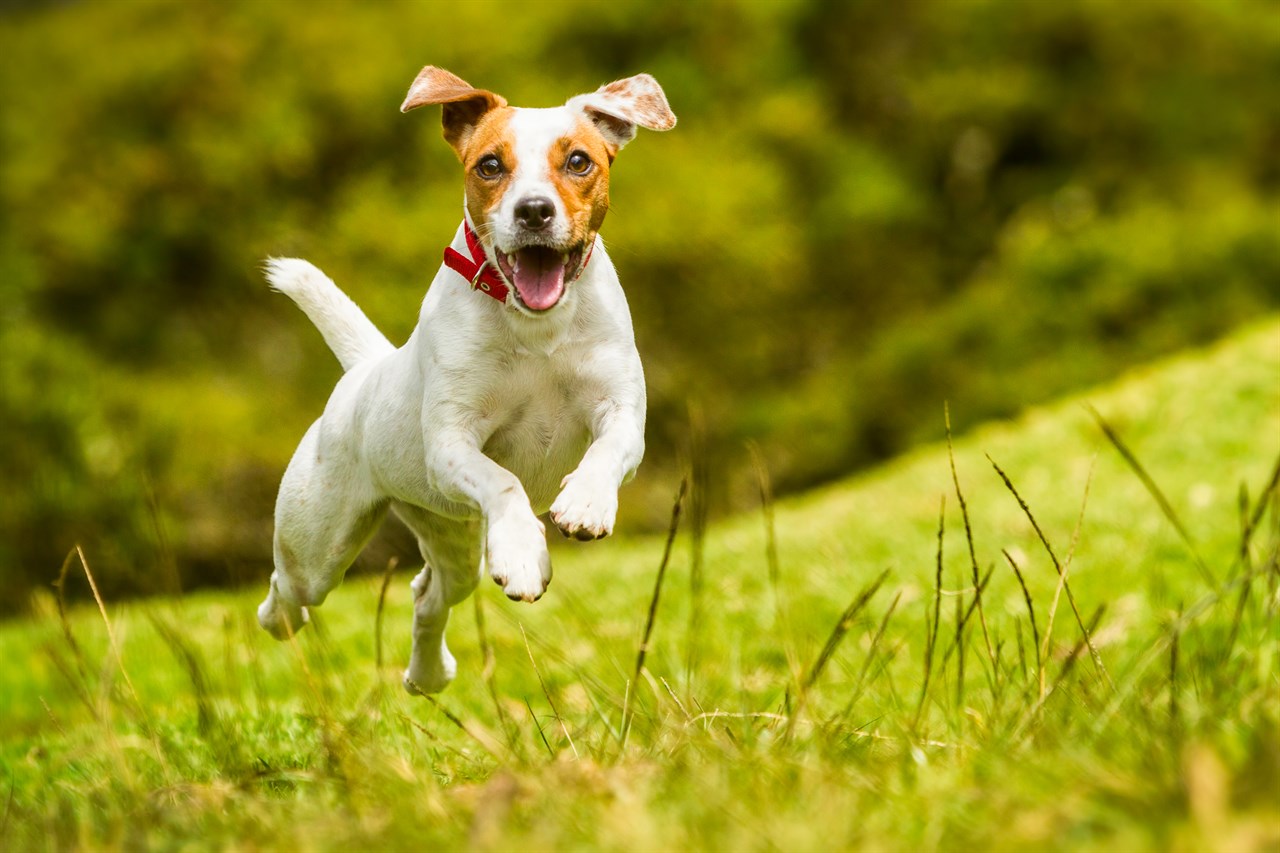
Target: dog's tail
point(347, 331)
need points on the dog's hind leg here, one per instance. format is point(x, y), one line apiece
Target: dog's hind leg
point(451, 550)
point(326, 512)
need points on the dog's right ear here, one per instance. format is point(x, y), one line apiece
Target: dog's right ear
point(464, 105)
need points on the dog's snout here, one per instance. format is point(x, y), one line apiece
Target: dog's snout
point(535, 212)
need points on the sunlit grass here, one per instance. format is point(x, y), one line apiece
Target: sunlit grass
point(790, 698)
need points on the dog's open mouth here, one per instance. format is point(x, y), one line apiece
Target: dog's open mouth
point(540, 273)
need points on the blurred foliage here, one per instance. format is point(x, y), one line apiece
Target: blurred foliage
point(867, 209)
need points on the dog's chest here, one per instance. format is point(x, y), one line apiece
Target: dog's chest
point(541, 409)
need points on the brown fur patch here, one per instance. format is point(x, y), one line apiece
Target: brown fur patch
point(586, 197)
point(491, 136)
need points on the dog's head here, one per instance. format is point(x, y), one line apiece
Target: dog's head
point(537, 180)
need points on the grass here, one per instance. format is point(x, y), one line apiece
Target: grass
point(955, 650)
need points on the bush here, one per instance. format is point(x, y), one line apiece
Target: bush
point(866, 210)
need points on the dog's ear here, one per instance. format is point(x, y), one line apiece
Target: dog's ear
point(619, 107)
point(464, 104)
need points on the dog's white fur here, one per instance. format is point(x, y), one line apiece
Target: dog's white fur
point(486, 417)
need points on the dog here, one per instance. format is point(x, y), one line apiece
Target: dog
point(520, 389)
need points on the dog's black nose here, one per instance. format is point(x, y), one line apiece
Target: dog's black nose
point(534, 213)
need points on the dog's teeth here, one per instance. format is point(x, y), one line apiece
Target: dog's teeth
point(511, 259)
point(564, 260)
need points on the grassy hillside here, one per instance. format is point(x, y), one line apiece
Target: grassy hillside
point(754, 725)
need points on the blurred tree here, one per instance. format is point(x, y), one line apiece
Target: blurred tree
point(867, 209)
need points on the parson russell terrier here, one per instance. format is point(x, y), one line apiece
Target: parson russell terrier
point(520, 388)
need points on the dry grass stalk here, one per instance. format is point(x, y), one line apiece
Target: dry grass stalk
point(1026, 594)
point(1066, 587)
point(79, 680)
point(643, 651)
point(968, 531)
point(119, 658)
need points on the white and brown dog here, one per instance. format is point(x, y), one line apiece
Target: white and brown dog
point(520, 388)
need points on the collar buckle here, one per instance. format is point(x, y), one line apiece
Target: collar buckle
point(476, 271)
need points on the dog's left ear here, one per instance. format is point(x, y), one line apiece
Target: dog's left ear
point(618, 108)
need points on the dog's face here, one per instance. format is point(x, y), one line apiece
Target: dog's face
point(537, 180)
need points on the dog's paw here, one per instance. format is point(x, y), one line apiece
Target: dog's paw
point(432, 676)
point(516, 553)
point(585, 509)
point(281, 619)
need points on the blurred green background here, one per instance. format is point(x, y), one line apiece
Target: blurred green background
point(867, 208)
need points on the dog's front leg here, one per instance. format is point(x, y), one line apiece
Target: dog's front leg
point(515, 540)
point(588, 501)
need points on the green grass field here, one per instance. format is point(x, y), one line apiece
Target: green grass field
point(786, 702)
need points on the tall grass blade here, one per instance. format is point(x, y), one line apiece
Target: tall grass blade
point(643, 651)
point(77, 678)
point(968, 531)
point(1022, 651)
point(476, 732)
point(958, 645)
point(173, 579)
point(435, 738)
point(772, 563)
point(1031, 610)
point(541, 734)
point(382, 603)
point(1066, 566)
point(699, 507)
point(676, 699)
point(206, 716)
point(488, 671)
point(61, 586)
point(1249, 523)
point(1269, 492)
point(8, 807)
point(1154, 490)
point(838, 632)
point(547, 693)
point(1158, 650)
point(1066, 586)
point(1079, 646)
point(931, 634)
point(119, 659)
point(1173, 672)
point(872, 650)
point(963, 614)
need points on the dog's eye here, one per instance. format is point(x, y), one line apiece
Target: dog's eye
point(489, 167)
point(578, 163)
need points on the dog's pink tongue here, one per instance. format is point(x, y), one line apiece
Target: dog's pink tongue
point(539, 277)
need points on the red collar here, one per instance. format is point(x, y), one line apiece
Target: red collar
point(477, 270)
point(479, 273)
